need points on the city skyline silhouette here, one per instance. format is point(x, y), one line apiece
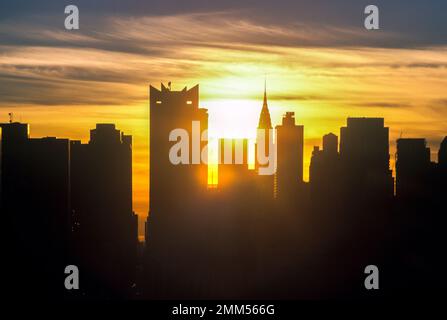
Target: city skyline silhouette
point(251, 236)
point(319, 60)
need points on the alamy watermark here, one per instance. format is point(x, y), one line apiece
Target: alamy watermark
point(372, 20)
point(179, 153)
point(72, 280)
point(72, 20)
point(372, 280)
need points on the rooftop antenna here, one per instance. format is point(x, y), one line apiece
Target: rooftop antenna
point(11, 117)
point(265, 88)
point(265, 82)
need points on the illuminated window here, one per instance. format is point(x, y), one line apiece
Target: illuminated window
point(189, 102)
point(158, 102)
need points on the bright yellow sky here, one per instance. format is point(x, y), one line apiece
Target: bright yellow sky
point(65, 91)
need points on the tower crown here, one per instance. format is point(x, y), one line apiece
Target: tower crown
point(265, 121)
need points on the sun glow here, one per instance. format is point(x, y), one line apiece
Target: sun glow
point(71, 89)
point(234, 119)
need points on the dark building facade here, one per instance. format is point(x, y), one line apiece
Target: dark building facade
point(36, 210)
point(442, 153)
point(364, 153)
point(176, 191)
point(105, 227)
point(171, 110)
point(413, 169)
point(68, 203)
point(325, 173)
point(330, 143)
point(442, 167)
point(289, 157)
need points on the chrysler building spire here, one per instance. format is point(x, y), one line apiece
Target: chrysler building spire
point(264, 118)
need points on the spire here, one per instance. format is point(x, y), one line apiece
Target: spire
point(264, 118)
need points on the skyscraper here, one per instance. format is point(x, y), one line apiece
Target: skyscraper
point(176, 190)
point(289, 159)
point(364, 152)
point(442, 168)
point(35, 209)
point(442, 153)
point(171, 110)
point(264, 141)
point(14, 137)
point(105, 225)
point(324, 172)
point(412, 168)
point(330, 143)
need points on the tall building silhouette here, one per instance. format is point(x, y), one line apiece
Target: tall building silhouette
point(441, 172)
point(14, 136)
point(105, 226)
point(265, 121)
point(412, 169)
point(35, 209)
point(263, 137)
point(330, 143)
point(442, 153)
point(177, 191)
point(171, 110)
point(324, 172)
point(364, 152)
point(289, 159)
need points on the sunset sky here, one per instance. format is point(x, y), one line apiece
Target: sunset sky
point(318, 59)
